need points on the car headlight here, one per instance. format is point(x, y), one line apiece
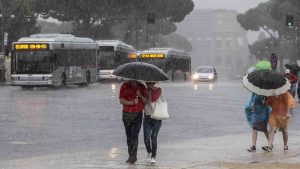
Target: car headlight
point(195, 76)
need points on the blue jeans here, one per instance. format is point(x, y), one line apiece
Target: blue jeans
point(132, 123)
point(151, 129)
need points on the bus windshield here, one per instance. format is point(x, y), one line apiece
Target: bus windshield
point(111, 60)
point(205, 70)
point(37, 62)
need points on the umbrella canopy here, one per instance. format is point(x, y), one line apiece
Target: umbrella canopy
point(141, 71)
point(264, 64)
point(266, 82)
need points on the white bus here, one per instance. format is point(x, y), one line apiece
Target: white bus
point(113, 53)
point(176, 63)
point(53, 60)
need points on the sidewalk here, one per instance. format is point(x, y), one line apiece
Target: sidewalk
point(209, 153)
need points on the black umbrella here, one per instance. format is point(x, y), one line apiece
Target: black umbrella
point(266, 82)
point(293, 67)
point(141, 71)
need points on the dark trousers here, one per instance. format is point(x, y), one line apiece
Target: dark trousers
point(151, 128)
point(132, 123)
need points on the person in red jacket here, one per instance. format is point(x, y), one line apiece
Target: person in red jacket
point(293, 80)
point(151, 126)
point(133, 96)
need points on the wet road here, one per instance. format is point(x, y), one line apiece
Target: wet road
point(47, 121)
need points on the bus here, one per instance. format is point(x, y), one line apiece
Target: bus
point(113, 53)
point(176, 63)
point(53, 60)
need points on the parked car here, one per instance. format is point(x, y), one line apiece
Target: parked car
point(205, 73)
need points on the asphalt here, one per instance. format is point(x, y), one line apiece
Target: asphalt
point(207, 153)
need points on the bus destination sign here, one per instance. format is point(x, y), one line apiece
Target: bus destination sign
point(32, 46)
point(153, 55)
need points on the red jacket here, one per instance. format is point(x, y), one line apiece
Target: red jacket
point(156, 92)
point(292, 78)
point(128, 92)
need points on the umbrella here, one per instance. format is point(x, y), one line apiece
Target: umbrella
point(266, 82)
point(141, 71)
point(293, 67)
point(263, 65)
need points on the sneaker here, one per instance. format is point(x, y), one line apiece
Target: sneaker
point(285, 148)
point(252, 149)
point(148, 157)
point(152, 161)
point(267, 148)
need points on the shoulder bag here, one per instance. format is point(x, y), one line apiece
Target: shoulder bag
point(160, 109)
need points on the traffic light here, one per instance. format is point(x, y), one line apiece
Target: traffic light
point(289, 20)
point(151, 17)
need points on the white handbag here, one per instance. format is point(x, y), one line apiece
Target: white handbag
point(160, 109)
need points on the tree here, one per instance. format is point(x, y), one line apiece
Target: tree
point(17, 26)
point(270, 16)
point(98, 19)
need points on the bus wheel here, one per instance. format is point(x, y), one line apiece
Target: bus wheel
point(87, 78)
point(63, 80)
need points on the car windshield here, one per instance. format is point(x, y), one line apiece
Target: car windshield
point(204, 70)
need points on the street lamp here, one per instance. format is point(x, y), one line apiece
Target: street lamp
point(28, 19)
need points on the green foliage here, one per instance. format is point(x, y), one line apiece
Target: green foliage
point(99, 19)
point(17, 26)
point(271, 17)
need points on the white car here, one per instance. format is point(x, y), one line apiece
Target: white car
point(205, 73)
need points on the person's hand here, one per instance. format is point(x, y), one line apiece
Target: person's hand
point(138, 93)
point(136, 100)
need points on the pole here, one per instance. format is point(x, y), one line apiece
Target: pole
point(298, 47)
point(2, 34)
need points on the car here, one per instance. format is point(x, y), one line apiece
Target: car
point(205, 73)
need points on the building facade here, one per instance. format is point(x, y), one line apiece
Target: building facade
point(217, 40)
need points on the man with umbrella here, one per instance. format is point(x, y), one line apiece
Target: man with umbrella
point(133, 96)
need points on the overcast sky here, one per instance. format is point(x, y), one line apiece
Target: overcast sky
point(238, 5)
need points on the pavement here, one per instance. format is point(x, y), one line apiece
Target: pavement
point(224, 152)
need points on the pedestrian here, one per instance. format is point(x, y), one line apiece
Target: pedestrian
point(279, 117)
point(293, 80)
point(133, 96)
point(257, 113)
point(151, 126)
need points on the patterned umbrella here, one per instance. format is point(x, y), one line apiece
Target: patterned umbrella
point(266, 82)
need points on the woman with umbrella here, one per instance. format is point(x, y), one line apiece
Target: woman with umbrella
point(151, 126)
point(257, 112)
point(279, 117)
